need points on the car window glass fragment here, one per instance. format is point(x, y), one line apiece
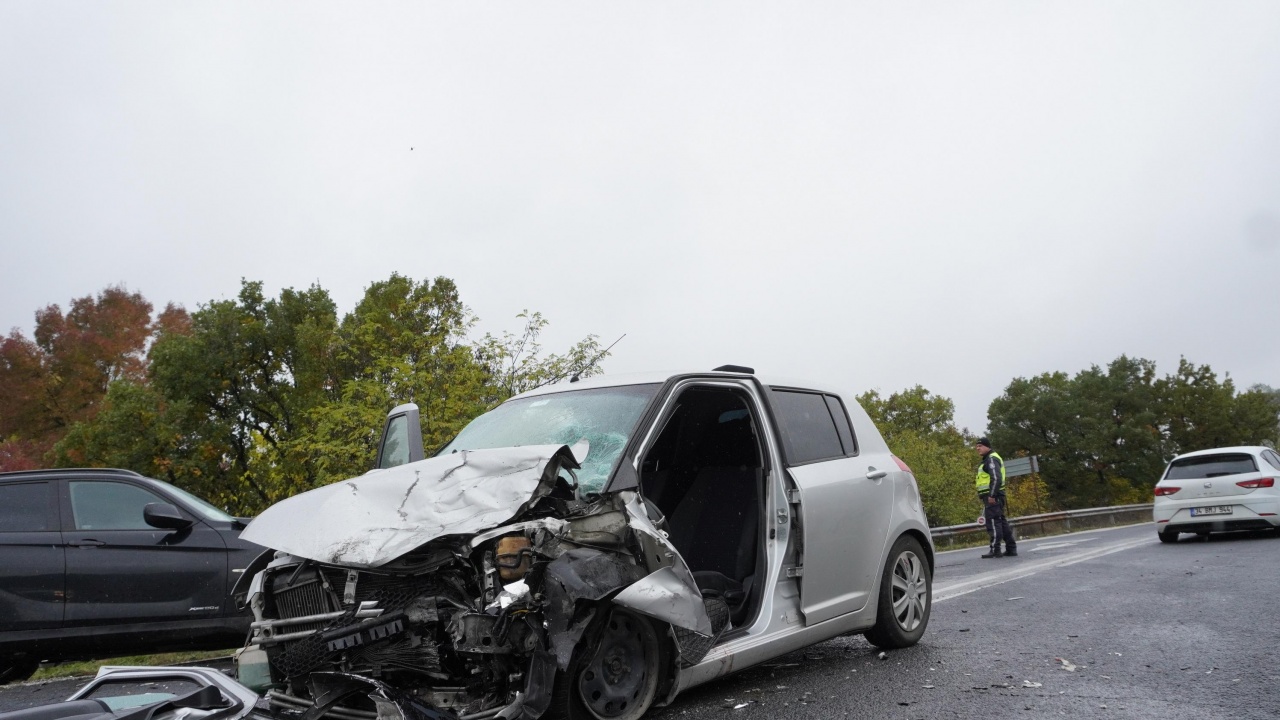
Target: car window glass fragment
point(110, 506)
point(1200, 467)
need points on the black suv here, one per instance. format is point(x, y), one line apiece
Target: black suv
point(100, 562)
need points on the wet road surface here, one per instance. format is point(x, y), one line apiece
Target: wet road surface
point(1105, 623)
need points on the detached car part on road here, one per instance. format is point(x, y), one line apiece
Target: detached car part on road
point(150, 693)
point(588, 550)
point(1231, 488)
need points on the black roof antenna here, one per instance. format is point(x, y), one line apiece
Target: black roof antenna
point(736, 369)
point(577, 375)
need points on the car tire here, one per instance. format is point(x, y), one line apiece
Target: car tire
point(614, 673)
point(906, 597)
point(17, 668)
point(1167, 536)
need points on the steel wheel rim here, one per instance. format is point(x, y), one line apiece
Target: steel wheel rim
point(910, 591)
point(620, 672)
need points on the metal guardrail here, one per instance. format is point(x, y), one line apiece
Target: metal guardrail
point(1051, 522)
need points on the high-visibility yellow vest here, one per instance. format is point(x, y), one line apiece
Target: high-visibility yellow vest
point(984, 480)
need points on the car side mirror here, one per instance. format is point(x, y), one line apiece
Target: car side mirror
point(165, 516)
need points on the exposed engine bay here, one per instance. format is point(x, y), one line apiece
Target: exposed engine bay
point(465, 585)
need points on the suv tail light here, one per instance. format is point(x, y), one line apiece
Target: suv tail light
point(1167, 490)
point(1259, 483)
point(903, 466)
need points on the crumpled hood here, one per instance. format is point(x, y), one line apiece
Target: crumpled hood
point(373, 519)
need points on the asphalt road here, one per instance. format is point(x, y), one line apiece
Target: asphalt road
point(1106, 624)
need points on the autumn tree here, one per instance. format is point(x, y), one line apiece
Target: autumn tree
point(60, 376)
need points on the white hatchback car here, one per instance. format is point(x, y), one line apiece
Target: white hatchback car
point(1231, 488)
point(590, 549)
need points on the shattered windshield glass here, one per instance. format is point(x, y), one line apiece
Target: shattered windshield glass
point(606, 417)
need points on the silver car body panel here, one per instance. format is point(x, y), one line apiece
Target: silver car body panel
point(373, 519)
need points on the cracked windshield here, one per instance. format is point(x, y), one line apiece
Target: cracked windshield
point(604, 417)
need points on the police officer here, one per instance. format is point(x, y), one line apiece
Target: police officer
point(991, 491)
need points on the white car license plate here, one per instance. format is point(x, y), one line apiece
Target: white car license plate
point(1215, 510)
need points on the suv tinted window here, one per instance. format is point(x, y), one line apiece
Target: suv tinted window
point(808, 431)
point(26, 507)
point(110, 506)
point(1207, 466)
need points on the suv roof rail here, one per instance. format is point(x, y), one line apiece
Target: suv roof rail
point(71, 471)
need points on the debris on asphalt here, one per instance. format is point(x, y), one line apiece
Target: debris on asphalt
point(883, 656)
point(1066, 664)
point(742, 705)
point(1030, 684)
point(964, 629)
point(1020, 597)
point(927, 687)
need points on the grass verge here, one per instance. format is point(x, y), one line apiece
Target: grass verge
point(90, 667)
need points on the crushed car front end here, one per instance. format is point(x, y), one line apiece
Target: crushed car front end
point(466, 585)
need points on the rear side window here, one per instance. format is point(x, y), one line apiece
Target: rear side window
point(27, 507)
point(843, 427)
point(808, 430)
point(1208, 466)
point(1272, 459)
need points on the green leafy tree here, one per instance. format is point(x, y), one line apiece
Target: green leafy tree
point(239, 388)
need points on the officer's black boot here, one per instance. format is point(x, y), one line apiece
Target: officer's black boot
point(993, 552)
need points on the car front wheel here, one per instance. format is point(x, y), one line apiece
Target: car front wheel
point(613, 674)
point(906, 597)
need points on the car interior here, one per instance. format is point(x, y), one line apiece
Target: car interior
point(704, 472)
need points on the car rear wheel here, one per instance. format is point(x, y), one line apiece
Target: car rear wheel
point(613, 675)
point(16, 668)
point(1167, 536)
point(906, 597)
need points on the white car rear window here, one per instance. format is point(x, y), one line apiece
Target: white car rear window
point(1207, 466)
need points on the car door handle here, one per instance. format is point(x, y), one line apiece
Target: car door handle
point(876, 475)
point(86, 543)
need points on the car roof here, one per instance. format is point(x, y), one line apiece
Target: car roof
point(67, 472)
point(1251, 449)
point(643, 378)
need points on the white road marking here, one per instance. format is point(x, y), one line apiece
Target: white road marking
point(1068, 543)
point(948, 590)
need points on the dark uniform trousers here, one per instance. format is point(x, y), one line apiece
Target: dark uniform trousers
point(997, 524)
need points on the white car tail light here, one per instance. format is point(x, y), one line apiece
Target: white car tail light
point(1259, 483)
point(1168, 490)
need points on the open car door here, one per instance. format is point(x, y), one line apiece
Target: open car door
point(401, 437)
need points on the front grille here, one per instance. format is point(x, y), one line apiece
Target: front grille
point(306, 596)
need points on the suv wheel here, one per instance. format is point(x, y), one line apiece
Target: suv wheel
point(16, 668)
point(906, 597)
point(1167, 536)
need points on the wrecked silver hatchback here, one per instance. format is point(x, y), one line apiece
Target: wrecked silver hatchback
point(584, 551)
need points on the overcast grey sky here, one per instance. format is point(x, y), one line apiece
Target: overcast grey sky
point(949, 194)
